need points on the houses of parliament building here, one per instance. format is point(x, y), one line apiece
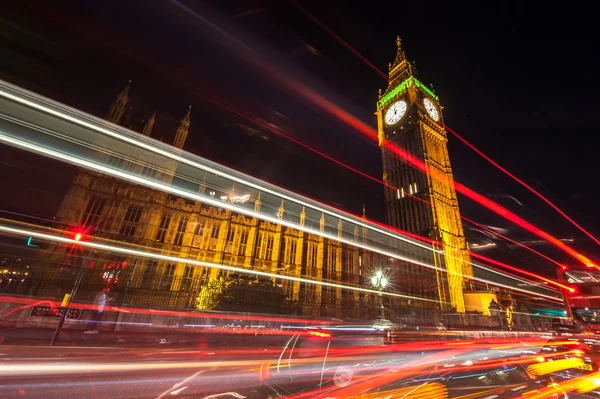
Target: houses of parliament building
point(188, 229)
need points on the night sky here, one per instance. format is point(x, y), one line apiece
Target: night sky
point(517, 81)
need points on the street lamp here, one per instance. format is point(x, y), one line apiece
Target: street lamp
point(379, 281)
point(77, 237)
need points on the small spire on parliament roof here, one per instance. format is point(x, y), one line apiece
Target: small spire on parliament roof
point(187, 116)
point(124, 95)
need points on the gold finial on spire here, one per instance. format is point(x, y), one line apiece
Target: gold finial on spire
point(364, 214)
point(400, 58)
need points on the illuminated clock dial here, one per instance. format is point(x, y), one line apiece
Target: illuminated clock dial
point(431, 109)
point(395, 112)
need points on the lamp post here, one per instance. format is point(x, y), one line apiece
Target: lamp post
point(379, 281)
point(80, 274)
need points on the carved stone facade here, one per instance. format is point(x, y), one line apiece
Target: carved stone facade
point(188, 229)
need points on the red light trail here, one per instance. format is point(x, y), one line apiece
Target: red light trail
point(522, 183)
point(425, 239)
point(509, 267)
point(420, 165)
point(513, 241)
point(339, 39)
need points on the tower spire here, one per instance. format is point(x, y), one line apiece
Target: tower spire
point(257, 203)
point(400, 66)
point(400, 56)
point(117, 108)
point(182, 130)
point(149, 125)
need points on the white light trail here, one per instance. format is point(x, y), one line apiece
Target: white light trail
point(171, 155)
point(81, 119)
point(153, 255)
point(167, 188)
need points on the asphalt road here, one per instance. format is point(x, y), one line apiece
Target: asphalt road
point(104, 372)
point(65, 372)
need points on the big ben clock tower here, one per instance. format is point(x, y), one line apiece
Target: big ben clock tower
point(409, 116)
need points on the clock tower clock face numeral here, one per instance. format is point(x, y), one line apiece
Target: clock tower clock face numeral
point(431, 109)
point(395, 112)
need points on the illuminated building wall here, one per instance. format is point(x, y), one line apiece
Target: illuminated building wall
point(409, 116)
point(142, 216)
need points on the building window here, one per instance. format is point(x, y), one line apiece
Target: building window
point(188, 275)
point(148, 171)
point(311, 259)
point(231, 234)
point(229, 239)
point(93, 211)
point(199, 228)
point(259, 244)
point(269, 251)
point(165, 222)
point(243, 242)
point(114, 161)
point(167, 277)
point(290, 255)
point(149, 274)
point(198, 233)
point(181, 230)
point(132, 218)
point(215, 231)
point(332, 257)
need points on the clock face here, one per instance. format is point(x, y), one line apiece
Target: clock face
point(395, 112)
point(431, 109)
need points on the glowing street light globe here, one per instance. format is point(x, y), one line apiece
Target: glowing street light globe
point(384, 282)
point(374, 280)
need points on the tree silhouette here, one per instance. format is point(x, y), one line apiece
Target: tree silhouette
point(241, 293)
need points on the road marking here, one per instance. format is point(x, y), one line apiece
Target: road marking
point(174, 391)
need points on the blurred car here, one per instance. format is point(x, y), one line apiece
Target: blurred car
point(498, 382)
point(329, 358)
point(343, 363)
point(563, 354)
point(570, 366)
point(410, 333)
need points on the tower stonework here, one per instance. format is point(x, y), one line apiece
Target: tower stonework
point(409, 117)
point(117, 109)
point(182, 130)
